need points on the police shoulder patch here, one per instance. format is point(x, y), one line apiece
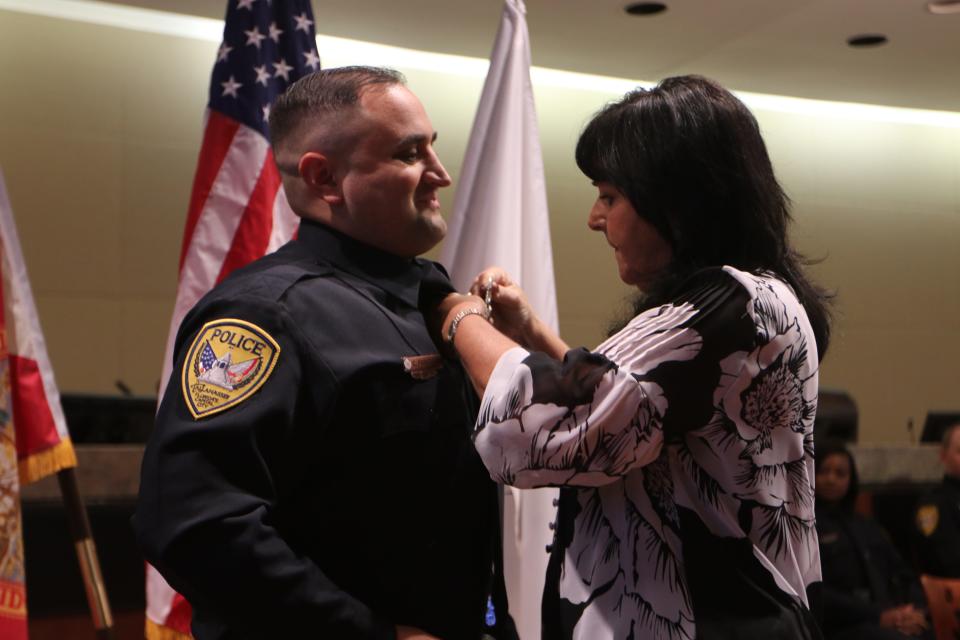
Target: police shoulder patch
point(928, 516)
point(228, 361)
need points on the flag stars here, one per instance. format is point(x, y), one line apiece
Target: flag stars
point(230, 87)
point(254, 37)
point(245, 4)
point(282, 69)
point(313, 60)
point(223, 52)
point(303, 23)
point(263, 76)
point(275, 32)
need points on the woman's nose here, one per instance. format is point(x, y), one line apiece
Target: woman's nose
point(595, 220)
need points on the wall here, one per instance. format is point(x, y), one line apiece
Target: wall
point(100, 127)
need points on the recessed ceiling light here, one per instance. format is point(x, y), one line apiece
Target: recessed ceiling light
point(867, 40)
point(944, 7)
point(645, 8)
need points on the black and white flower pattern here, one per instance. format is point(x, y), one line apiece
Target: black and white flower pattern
point(705, 404)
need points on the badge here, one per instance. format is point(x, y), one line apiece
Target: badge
point(227, 362)
point(423, 367)
point(927, 517)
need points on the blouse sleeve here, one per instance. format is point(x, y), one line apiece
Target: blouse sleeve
point(598, 415)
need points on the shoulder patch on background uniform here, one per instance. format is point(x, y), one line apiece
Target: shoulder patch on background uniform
point(927, 518)
point(226, 364)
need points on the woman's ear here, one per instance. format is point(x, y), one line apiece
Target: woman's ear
point(316, 171)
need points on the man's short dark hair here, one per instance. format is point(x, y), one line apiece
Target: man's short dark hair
point(324, 92)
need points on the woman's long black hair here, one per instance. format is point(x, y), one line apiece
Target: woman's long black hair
point(690, 158)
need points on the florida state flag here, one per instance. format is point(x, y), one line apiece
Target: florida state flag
point(33, 432)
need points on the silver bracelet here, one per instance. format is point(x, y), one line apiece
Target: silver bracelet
point(463, 313)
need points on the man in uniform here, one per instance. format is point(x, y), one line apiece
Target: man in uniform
point(311, 472)
point(938, 515)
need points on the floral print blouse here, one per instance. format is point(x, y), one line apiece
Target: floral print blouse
point(684, 449)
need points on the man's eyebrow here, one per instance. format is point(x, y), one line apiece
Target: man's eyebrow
point(416, 138)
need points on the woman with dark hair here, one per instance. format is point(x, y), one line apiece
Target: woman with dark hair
point(869, 593)
point(683, 445)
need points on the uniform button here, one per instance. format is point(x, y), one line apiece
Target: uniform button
point(549, 548)
point(556, 502)
point(552, 525)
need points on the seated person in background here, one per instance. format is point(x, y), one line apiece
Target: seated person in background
point(869, 592)
point(938, 515)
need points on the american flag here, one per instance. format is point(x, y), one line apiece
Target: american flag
point(238, 212)
point(207, 357)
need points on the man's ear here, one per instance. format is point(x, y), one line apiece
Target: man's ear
point(317, 173)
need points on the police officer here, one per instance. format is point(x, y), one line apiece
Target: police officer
point(938, 515)
point(311, 472)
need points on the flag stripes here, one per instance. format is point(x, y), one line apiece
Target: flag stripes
point(218, 132)
point(253, 233)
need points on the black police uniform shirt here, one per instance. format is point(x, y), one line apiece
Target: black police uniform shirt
point(938, 530)
point(311, 466)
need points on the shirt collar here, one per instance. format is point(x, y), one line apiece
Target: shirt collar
point(398, 276)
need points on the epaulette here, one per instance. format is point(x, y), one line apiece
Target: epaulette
point(275, 281)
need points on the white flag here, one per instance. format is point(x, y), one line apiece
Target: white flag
point(500, 218)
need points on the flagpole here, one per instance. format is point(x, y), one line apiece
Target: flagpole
point(86, 555)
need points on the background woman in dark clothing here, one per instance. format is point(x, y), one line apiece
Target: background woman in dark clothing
point(869, 592)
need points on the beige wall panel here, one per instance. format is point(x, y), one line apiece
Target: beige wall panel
point(64, 187)
point(886, 166)
point(84, 335)
point(895, 377)
point(790, 139)
point(153, 200)
point(140, 355)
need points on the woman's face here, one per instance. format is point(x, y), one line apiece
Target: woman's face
point(641, 252)
point(833, 478)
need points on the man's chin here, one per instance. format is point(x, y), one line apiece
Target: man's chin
point(441, 228)
point(435, 227)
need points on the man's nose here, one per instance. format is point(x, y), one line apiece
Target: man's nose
point(436, 172)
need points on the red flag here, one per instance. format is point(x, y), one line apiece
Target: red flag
point(33, 432)
point(238, 212)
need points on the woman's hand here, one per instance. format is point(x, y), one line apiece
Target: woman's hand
point(513, 315)
point(906, 619)
point(511, 311)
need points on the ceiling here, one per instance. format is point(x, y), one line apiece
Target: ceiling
point(794, 48)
